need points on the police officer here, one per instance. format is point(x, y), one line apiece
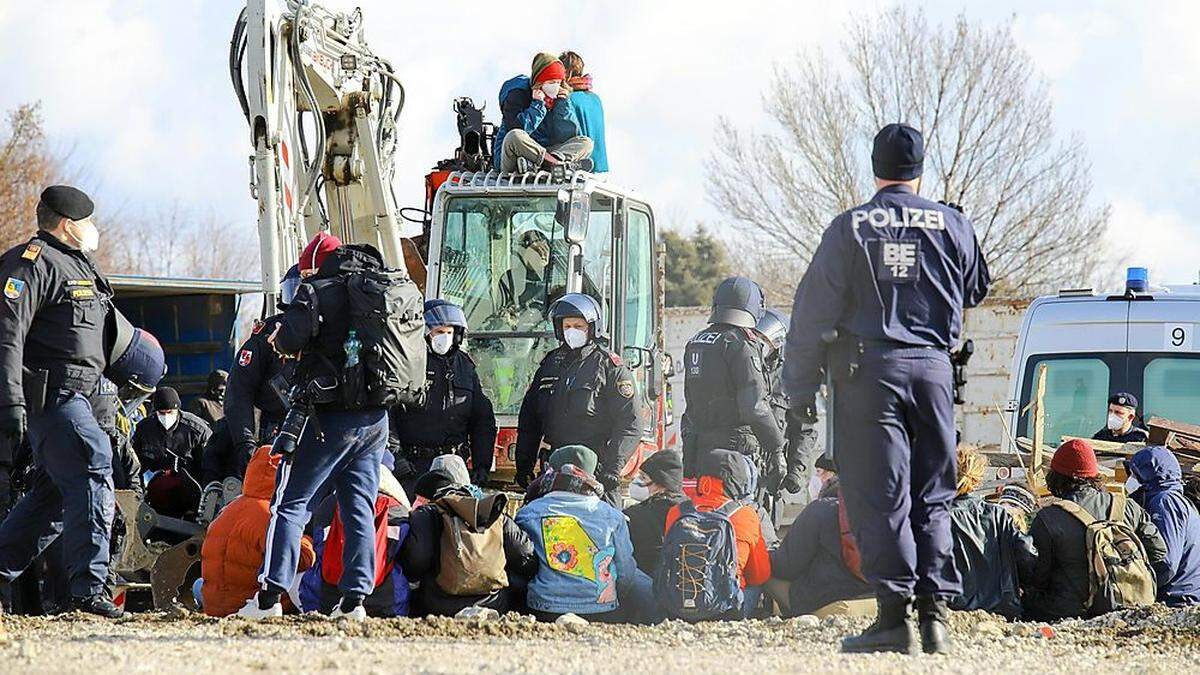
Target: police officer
point(581, 394)
point(457, 417)
point(728, 399)
point(342, 442)
point(801, 442)
point(891, 277)
point(52, 353)
point(1121, 425)
point(254, 391)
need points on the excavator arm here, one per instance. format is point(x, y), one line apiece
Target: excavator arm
point(322, 110)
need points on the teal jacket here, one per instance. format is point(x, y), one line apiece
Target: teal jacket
point(590, 112)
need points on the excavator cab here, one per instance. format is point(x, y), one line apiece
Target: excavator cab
point(506, 246)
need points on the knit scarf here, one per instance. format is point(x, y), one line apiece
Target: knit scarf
point(580, 83)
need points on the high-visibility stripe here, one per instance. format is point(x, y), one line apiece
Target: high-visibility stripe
point(285, 472)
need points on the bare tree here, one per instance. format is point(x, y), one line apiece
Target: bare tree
point(27, 166)
point(175, 242)
point(990, 146)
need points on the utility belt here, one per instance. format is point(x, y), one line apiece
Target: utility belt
point(423, 452)
point(38, 383)
point(845, 355)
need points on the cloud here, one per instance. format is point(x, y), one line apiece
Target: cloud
point(1160, 239)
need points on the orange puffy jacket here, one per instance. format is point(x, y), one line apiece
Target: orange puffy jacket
point(237, 540)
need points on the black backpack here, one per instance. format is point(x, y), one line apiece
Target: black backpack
point(387, 314)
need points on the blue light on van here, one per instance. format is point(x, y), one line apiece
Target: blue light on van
point(1137, 279)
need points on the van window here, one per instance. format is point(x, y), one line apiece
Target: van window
point(1076, 398)
point(1172, 389)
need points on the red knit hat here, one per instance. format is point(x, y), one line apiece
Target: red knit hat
point(552, 71)
point(1076, 459)
point(317, 250)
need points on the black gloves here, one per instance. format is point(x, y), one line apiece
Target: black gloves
point(403, 469)
point(523, 479)
point(794, 481)
point(776, 470)
point(12, 424)
point(953, 205)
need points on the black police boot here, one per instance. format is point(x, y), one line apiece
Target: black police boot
point(891, 632)
point(933, 616)
point(99, 605)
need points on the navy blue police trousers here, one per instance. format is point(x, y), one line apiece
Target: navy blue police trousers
point(345, 457)
point(895, 454)
point(71, 496)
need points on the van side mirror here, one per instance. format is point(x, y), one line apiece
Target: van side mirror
point(571, 213)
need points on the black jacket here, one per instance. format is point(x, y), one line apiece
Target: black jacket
point(728, 397)
point(157, 448)
point(647, 521)
point(457, 412)
point(420, 554)
point(811, 558)
point(581, 396)
point(1058, 587)
point(250, 400)
point(1136, 434)
point(991, 555)
point(51, 317)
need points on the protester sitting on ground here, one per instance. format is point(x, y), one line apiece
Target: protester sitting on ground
point(464, 551)
point(990, 552)
point(580, 456)
point(585, 558)
point(1059, 587)
point(319, 585)
point(210, 406)
point(236, 542)
point(1122, 424)
point(1159, 489)
point(588, 108)
point(539, 125)
point(170, 447)
point(1019, 502)
point(657, 487)
point(457, 468)
point(809, 570)
point(724, 473)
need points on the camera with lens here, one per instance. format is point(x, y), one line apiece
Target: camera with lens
point(301, 399)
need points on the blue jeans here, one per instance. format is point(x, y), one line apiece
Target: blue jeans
point(72, 496)
point(347, 456)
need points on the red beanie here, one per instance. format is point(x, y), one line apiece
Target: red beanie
point(317, 250)
point(553, 71)
point(1076, 459)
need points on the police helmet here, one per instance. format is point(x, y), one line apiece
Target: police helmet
point(579, 305)
point(441, 312)
point(773, 326)
point(139, 368)
point(288, 285)
point(737, 301)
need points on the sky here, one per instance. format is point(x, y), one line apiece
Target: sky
point(138, 92)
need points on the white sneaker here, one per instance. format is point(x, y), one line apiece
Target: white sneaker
point(252, 611)
point(357, 614)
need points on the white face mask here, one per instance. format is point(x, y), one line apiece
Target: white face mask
point(86, 234)
point(441, 343)
point(1131, 485)
point(168, 420)
point(639, 491)
point(575, 338)
point(1115, 422)
point(551, 89)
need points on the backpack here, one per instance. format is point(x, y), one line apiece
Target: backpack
point(387, 314)
point(471, 554)
point(697, 577)
point(1119, 574)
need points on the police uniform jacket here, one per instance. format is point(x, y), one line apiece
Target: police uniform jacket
point(157, 447)
point(456, 410)
point(898, 269)
point(582, 396)
point(1136, 434)
point(51, 318)
point(727, 393)
point(249, 386)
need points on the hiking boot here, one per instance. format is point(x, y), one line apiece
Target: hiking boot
point(933, 616)
point(523, 166)
point(254, 610)
point(891, 632)
point(99, 605)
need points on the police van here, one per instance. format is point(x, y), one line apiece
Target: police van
point(1142, 341)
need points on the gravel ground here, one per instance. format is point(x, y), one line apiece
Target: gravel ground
point(1155, 640)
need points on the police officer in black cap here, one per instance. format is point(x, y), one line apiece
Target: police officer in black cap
point(725, 387)
point(582, 394)
point(457, 417)
point(891, 277)
point(257, 382)
point(52, 354)
point(1121, 425)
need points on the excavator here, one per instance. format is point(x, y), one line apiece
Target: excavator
point(323, 111)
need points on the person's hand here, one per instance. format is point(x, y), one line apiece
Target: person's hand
point(776, 470)
point(794, 481)
point(539, 95)
point(403, 469)
point(12, 423)
point(524, 479)
point(563, 92)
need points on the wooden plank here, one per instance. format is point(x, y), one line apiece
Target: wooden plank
point(1035, 475)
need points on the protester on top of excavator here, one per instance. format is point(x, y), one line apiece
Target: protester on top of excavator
point(587, 106)
point(539, 126)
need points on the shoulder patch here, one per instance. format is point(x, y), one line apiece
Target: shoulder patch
point(626, 388)
point(32, 251)
point(13, 288)
point(244, 357)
